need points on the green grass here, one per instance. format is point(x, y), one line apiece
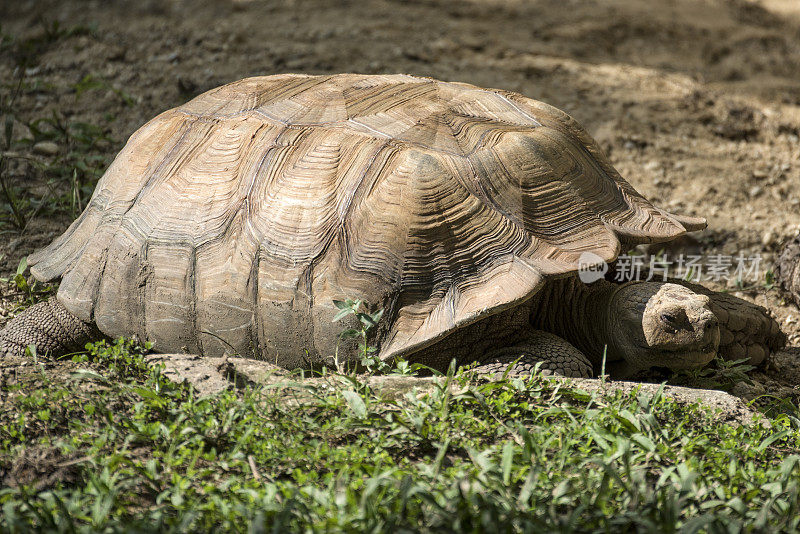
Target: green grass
point(119, 448)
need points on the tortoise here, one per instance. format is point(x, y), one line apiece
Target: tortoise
point(231, 223)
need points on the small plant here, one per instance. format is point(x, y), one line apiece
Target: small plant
point(69, 175)
point(13, 204)
point(769, 279)
point(30, 289)
point(367, 321)
point(724, 374)
point(77, 166)
point(124, 358)
point(26, 52)
point(402, 367)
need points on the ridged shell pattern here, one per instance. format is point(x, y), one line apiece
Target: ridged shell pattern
point(231, 223)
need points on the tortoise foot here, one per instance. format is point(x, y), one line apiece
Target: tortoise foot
point(554, 355)
point(49, 327)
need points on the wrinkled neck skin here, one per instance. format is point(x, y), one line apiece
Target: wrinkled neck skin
point(582, 315)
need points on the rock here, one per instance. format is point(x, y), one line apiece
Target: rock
point(728, 407)
point(45, 148)
point(748, 392)
point(213, 375)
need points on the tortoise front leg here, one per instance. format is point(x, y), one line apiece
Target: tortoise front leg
point(50, 327)
point(556, 356)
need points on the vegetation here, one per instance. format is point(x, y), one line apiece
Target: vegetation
point(118, 447)
point(48, 164)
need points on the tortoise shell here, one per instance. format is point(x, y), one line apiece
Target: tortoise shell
point(231, 223)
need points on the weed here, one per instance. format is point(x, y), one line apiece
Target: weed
point(28, 291)
point(70, 176)
point(723, 374)
point(13, 204)
point(136, 452)
point(366, 321)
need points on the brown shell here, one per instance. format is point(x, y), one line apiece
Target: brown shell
point(232, 222)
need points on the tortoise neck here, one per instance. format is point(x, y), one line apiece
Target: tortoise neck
point(579, 313)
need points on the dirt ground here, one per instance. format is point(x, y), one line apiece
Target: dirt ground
point(697, 102)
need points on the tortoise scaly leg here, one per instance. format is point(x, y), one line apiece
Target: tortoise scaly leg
point(556, 356)
point(50, 327)
point(747, 331)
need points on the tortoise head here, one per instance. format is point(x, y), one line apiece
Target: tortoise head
point(663, 325)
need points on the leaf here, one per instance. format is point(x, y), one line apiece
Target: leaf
point(85, 374)
point(366, 319)
point(23, 265)
point(350, 332)
point(771, 439)
point(342, 305)
point(507, 461)
point(561, 490)
point(628, 420)
point(644, 441)
point(356, 403)
point(437, 463)
point(788, 465)
point(21, 283)
point(342, 313)
point(146, 393)
point(88, 83)
point(527, 488)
